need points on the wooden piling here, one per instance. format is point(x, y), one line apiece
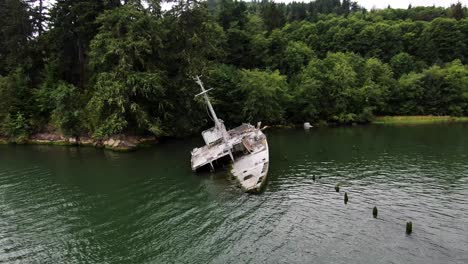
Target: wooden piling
point(375, 212)
point(346, 198)
point(409, 227)
point(337, 188)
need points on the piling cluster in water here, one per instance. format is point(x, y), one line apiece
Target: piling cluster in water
point(375, 211)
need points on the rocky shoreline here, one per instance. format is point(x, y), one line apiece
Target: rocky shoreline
point(131, 142)
point(115, 143)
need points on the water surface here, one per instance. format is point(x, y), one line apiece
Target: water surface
point(85, 205)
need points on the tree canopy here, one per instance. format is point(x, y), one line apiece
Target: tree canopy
point(103, 68)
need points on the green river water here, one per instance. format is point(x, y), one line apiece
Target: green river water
point(85, 205)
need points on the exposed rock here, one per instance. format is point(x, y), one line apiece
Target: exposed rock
point(118, 142)
point(97, 143)
point(85, 140)
point(121, 142)
point(47, 137)
point(110, 142)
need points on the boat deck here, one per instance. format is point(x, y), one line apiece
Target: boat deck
point(250, 169)
point(209, 153)
point(216, 150)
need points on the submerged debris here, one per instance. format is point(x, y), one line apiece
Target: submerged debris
point(337, 188)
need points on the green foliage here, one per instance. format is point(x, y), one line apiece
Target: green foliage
point(302, 31)
point(443, 41)
point(380, 40)
point(264, 94)
point(227, 100)
point(16, 127)
point(326, 85)
point(120, 100)
point(254, 24)
point(15, 30)
point(194, 44)
point(194, 39)
point(378, 81)
point(43, 95)
point(272, 14)
point(436, 91)
point(109, 67)
point(74, 26)
point(67, 112)
point(128, 86)
point(16, 103)
point(445, 89)
point(408, 95)
point(296, 55)
point(249, 95)
point(457, 11)
point(403, 63)
point(343, 88)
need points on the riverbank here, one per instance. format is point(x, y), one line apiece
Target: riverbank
point(129, 143)
point(416, 120)
point(115, 143)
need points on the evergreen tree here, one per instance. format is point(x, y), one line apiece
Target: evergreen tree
point(457, 11)
point(72, 28)
point(15, 31)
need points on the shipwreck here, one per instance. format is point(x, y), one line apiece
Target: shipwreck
point(245, 147)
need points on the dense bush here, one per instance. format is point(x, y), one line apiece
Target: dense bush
point(16, 105)
point(16, 127)
point(67, 113)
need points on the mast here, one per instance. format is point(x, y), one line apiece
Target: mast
point(218, 124)
point(207, 100)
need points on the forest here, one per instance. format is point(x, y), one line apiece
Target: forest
point(104, 68)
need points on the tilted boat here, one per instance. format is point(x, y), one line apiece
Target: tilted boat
point(245, 146)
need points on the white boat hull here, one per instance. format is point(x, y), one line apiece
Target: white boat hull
point(247, 147)
point(251, 170)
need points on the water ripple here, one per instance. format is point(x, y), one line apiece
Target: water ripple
point(73, 205)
